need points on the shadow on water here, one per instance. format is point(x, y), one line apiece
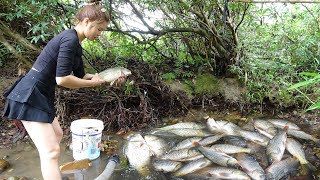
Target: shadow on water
point(24, 159)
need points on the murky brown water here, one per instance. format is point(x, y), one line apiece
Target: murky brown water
point(24, 157)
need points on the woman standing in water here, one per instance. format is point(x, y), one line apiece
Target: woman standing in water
point(31, 99)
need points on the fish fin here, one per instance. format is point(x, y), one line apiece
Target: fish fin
point(112, 82)
point(195, 144)
point(317, 141)
point(285, 128)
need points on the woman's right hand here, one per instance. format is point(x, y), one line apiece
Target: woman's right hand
point(97, 81)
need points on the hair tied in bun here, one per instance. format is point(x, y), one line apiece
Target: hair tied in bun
point(103, 10)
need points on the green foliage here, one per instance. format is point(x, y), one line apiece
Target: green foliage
point(168, 76)
point(278, 41)
point(40, 19)
point(315, 80)
point(4, 54)
point(206, 84)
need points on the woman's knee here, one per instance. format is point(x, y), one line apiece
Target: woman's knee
point(52, 152)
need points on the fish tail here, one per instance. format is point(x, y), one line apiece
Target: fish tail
point(250, 151)
point(309, 166)
point(317, 141)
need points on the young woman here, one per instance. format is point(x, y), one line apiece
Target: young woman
point(31, 99)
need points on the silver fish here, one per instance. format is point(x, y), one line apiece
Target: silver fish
point(138, 153)
point(222, 127)
point(218, 157)
point(276, 146)
point(166, 165)
point(254, 137)
point(190, 132)
point(210, 139)
point(265, 128)
point(295, 148)
point(187, 143)
point(182, 125)
point(226, 173)
point(230, 149)
point(180, 155)
point(282, 168)
point(157, 145)
point(112, 74)
point(236, 140)
point(193, 166)
point(251, 166)
point(302, 135)
point(280, 123)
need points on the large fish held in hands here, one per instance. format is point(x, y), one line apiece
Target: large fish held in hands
point(112, 74)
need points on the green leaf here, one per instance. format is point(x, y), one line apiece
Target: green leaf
point(310, 74)
point(300, 84)
point(315, 106)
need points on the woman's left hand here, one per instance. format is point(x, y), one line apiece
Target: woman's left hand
point(122, 78)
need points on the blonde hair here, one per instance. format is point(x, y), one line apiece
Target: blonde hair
point(93, 12)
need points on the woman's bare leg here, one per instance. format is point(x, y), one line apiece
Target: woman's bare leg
point(45, 139)
point(57, 129)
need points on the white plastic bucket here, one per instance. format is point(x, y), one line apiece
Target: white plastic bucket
point(86, 138)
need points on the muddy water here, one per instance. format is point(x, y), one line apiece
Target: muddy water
point(24, 158)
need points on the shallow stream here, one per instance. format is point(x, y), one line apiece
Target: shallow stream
point(24, 159)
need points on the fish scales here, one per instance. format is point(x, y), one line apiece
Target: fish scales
point(180, 155)
point(193, 166)
point(157, 145)
point(296, 149)
point(138, 153)
point(251, 166)
point(281, 123)
point(218, 157)
point(276, 146)
point(254, 137)
point(230, 149)
point(227, 173)
point(302, 135)
point(112, 74)
point(265, 128)
point(187, 143)
point(166, 165)
point(282, 168)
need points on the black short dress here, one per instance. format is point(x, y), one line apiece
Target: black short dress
point(32, 97)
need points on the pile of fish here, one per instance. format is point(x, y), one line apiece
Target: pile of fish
point(269, 150)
